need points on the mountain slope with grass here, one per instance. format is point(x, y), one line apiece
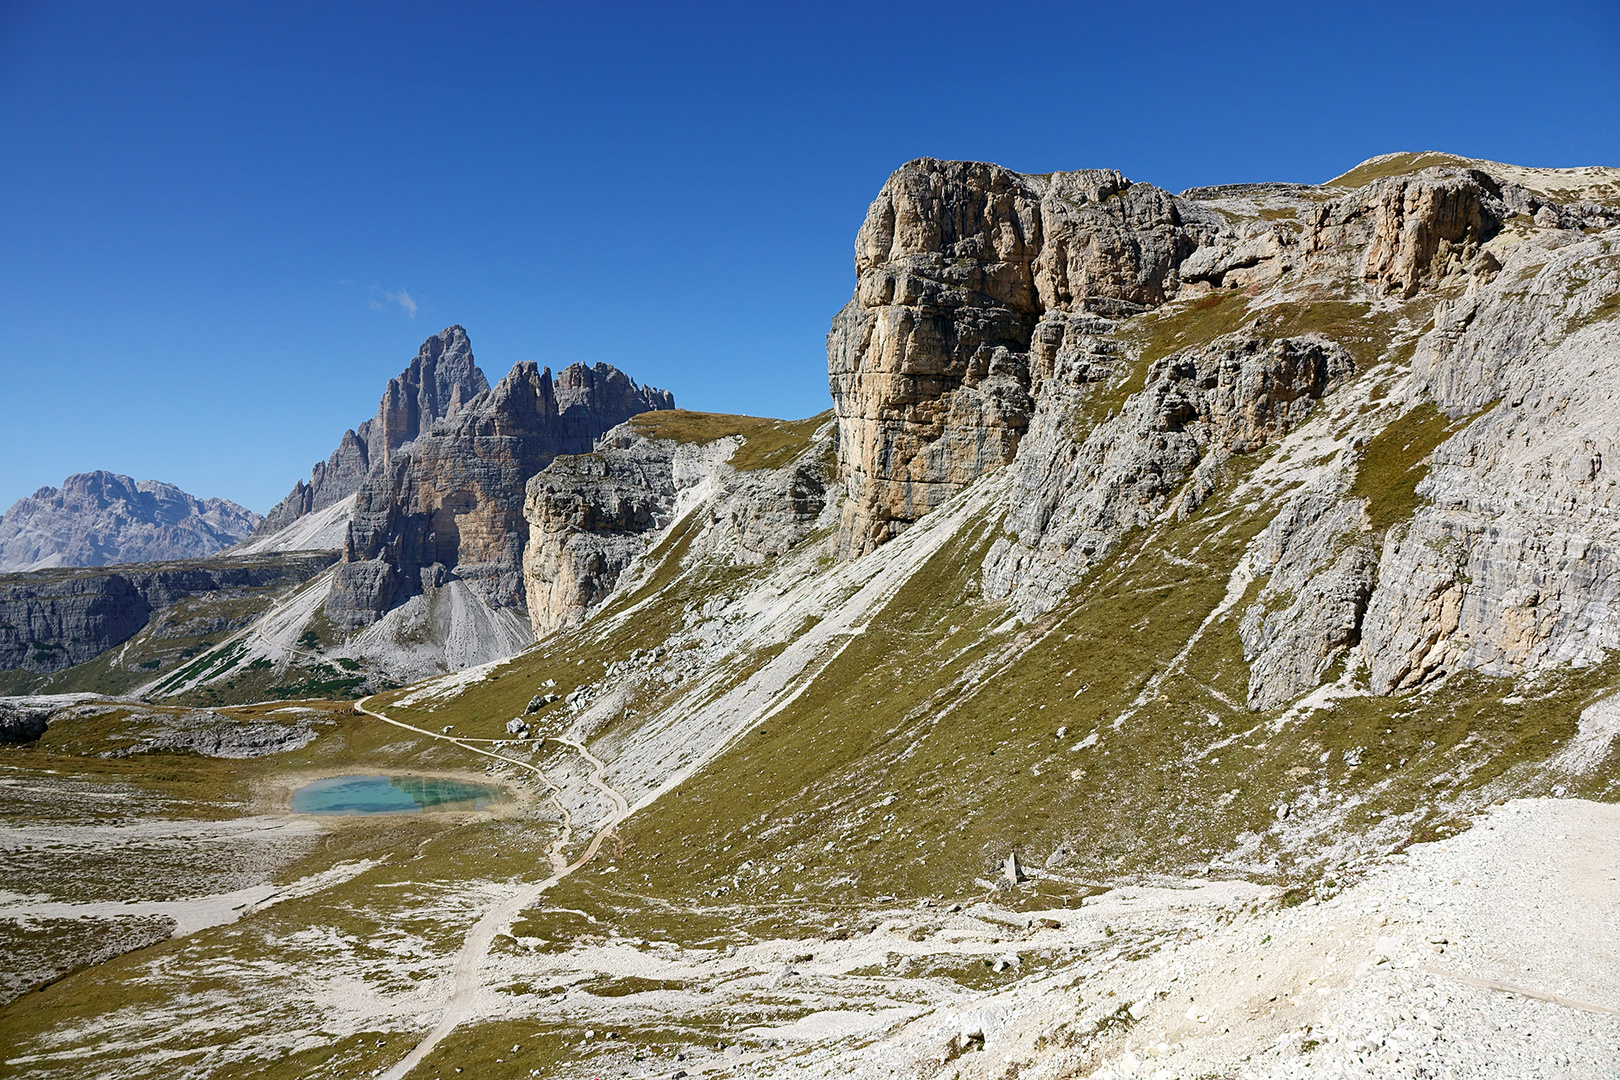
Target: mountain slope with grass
point(1188, 602)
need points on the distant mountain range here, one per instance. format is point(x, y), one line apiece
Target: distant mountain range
point(98, 518)
point(422, 505)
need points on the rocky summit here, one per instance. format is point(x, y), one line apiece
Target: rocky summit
point(97, 518)
point(1185, 648)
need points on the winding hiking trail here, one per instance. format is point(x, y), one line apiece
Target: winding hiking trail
point(469, 963)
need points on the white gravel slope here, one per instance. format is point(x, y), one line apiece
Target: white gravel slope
point(1368, 984)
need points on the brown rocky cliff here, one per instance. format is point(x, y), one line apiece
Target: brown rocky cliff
point(981, 292)
point(450, 502)
point(957, 264)
point(441, 379)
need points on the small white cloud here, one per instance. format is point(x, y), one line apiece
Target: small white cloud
point(407, 303)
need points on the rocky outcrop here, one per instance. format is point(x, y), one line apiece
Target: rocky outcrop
point(211, 734)
point(23, 720)
point(1511, 562)
point(994, 323)
point(591, 516)
point(1318, 573)
point(1079, 492)
point(1414, 230)
point(436, 385)
point(450, 502)
point(101, 518)
point(957, 264)
point(53, 619)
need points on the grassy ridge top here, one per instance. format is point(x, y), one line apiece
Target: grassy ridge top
point(767, 443)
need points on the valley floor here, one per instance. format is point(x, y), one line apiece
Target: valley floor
point(1494, 953)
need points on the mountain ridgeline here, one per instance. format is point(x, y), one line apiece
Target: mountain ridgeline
point(1107, 685)
point(1114, 471)
point(101, 518)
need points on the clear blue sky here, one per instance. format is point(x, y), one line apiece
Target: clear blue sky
point(213, 212)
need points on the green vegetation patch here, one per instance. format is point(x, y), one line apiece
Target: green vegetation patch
point(767, 443)
point(1609, 309)
point(1366, 335)
point(553, 1049)
point(1395, 461)
point(1174, 328)
point(1396, 165)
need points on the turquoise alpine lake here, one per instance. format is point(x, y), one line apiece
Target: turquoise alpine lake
point(391, 795)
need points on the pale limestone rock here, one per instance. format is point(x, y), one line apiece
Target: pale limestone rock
point(1512, 563)
point(438, 383)
point(101, 518)
point(1077, 494)
point(591, 516)
point(1319, 577)
point(448, 505)
point(957, 262)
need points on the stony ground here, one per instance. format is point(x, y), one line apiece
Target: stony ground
point(1492, 954)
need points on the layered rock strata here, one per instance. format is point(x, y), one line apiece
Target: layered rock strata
point(50, 620)
point(998, 320)
point(450, 502)
point(1076, 499)
point(102, 518)
point(591, 516)
point(439, 381)
point(973, 280)
point(957, 264)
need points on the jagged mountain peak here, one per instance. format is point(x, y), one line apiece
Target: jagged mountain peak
point(100, 517)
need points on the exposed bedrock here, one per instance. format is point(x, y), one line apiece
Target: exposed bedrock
point(102, 518)
point(450, 502)
point(1411, 231)
point(956, 264)
point(1078, 492)
point(1508, 561)
point(438, 383)
point(969, 277)
point(53, 619)
point(592, 515)
point(1318, 570)
point(1511, 562)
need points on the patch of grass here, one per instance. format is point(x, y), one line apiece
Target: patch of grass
point(1176, 327)
point(554, 1049)
point(1609, 309)
point(1365, 334)
point(767, 443)
point(1395, 165)
point(1395, 461)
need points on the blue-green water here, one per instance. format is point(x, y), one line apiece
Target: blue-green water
point(390, 795)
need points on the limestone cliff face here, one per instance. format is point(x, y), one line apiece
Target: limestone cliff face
point(99, 518)
point(1411, 231)
point(449, 503)
point(957, 265)
point(1054, 325)
point(592, 515)
point(438, 383)
point(53, 619)
point(972, 280)
point(1076, 499)
point(1511, 561)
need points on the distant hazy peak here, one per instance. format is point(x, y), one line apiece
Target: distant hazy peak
point(98, 518)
